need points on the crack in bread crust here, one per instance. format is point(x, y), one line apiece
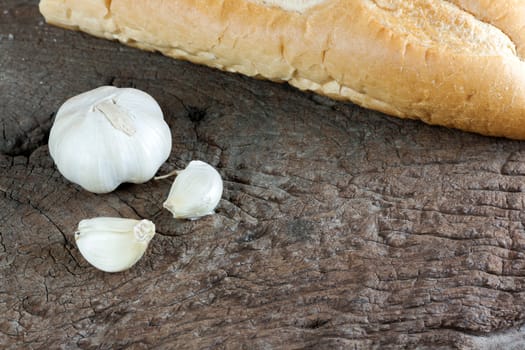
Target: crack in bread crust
point(508, 16)
point(290, 5)
point(441, 23)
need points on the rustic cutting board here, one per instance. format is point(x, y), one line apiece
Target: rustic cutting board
point(339, 227)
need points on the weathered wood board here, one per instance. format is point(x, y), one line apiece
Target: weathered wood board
point(339, 227)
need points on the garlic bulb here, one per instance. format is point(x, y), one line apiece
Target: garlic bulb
point(108, 136)
point(113, 244)
point(195, 192)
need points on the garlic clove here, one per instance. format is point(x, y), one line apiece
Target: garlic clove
point(113, 244)
point(195, 192)
point(108, 136)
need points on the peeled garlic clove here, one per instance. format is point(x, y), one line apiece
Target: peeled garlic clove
point(113, 244)
point(195, 192)
point(108, 136)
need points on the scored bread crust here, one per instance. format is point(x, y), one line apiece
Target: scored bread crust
point(452, 63)
point(508, 15)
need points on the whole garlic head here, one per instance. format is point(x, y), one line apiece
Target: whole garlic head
point(113, 244)
point(195, 192)
point(108, 136)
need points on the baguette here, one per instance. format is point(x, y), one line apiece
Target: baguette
point(457, 63)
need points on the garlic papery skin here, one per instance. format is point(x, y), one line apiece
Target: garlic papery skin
point(195, 192)
point(113, 244)
point(108, 136)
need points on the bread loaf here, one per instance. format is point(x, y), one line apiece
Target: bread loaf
point(457, 63)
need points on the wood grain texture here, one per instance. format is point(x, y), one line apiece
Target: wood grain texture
point(339, 227)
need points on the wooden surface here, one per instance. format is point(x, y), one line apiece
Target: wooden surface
point(339, 227)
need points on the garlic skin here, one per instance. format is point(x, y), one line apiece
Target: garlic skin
point(195, 192)
point(108, 136)
point(113, 244)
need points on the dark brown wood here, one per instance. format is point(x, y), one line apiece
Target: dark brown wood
point(339, 227)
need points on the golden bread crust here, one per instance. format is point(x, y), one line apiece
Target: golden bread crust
point(456, 64)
